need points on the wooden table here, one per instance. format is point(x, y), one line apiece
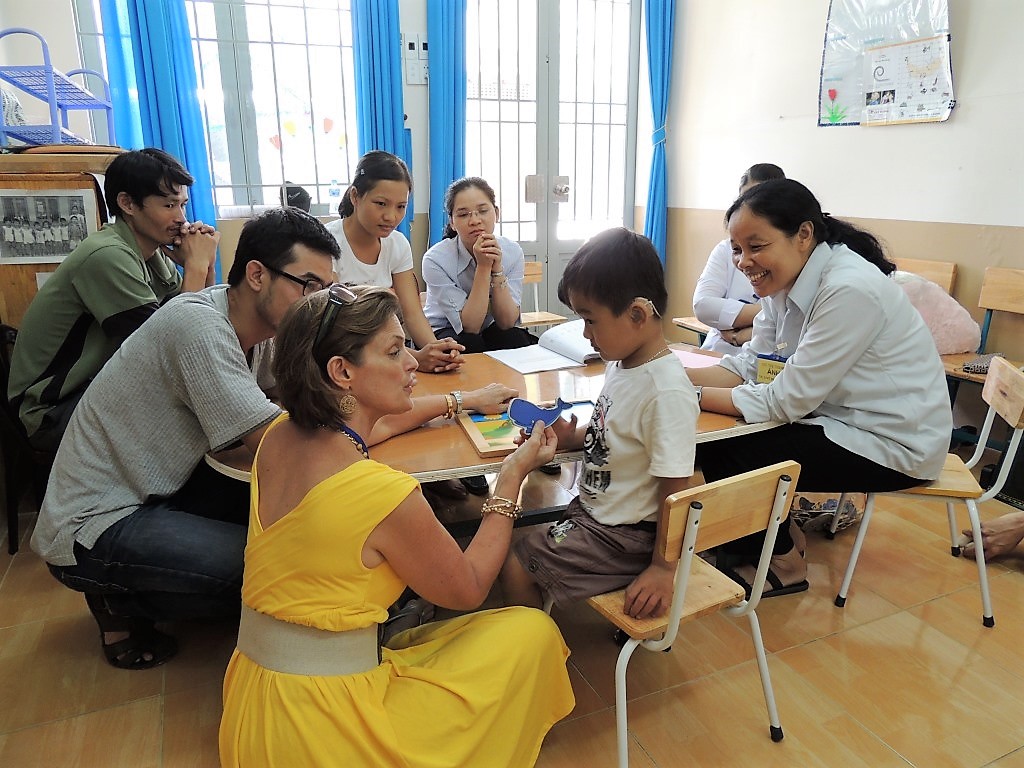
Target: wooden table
point(440, 449)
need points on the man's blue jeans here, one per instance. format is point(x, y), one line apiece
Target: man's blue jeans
point(164, 563)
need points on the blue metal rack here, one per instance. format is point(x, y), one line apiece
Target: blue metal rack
point(58, 91)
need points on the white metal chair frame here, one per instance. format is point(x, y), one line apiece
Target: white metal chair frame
point(1004, 392)
point(718, 592)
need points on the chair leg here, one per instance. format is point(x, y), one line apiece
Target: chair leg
point(987, 619)
point(862, 531)
point(775, 727)
point(621, 732)
point(954, 535)
point(831, 532)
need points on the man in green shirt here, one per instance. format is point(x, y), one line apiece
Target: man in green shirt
point(109, 285)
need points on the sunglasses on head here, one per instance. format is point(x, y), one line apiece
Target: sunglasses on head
point(337, 296)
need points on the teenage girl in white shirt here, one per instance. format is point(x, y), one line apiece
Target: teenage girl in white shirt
point(371, 210)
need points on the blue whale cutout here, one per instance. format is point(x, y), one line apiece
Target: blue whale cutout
point(525, 414)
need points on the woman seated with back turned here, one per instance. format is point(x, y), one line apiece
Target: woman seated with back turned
point(723, 298)
point(474, 277)
point(335, 537)
point(860, 391)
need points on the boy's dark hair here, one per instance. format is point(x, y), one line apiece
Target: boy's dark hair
point(787, 204)
point(141, 173)
point(453, 190)
point(268, 238)
point(295, 196)
point(376, 165)
point(306, 392)
point(613, 268)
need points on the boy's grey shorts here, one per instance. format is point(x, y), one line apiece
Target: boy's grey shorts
point(579, 557)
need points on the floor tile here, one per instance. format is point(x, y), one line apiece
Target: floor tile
point(191, 720)
point(128, 735)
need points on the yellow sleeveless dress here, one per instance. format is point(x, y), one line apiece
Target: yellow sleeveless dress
point(479, 690)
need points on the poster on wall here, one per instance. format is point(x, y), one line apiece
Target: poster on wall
point(886, 62)
point(42, 226)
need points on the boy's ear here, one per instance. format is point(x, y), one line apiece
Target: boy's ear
point(637, 312)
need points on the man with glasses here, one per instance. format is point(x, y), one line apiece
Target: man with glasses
point(119, 522)
point(113, 282)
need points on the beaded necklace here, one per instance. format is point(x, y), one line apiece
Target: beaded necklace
point(352, 435)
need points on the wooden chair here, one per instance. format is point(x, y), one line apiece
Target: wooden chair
point(695, 325)
point(1002, 290)
point(1004, 393)
point(942, 273)
point(534, 276)
point(692, 521)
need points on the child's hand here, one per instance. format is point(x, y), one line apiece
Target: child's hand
point(565, 431)
point(650, 594)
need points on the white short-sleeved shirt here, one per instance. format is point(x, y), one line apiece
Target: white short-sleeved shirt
point(395, 256)
point(721, 293)
point(448, 271)
point(861, 363)
point(644, 427)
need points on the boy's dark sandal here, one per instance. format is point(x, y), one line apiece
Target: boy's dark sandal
point(144, 648)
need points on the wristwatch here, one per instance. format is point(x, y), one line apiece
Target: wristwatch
point(698, 390)
point(457, 395)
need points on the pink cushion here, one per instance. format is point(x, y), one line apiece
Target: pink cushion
point(952, 326)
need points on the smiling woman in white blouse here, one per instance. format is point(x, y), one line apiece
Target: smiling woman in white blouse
point(838, 355)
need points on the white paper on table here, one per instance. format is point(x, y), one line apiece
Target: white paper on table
point(532, 359)
point(694, 360)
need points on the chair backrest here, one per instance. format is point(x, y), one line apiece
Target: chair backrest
point(1004, 391)
point(534, 272)
point(942, 273)
point(1002, 290)
point(731, 508)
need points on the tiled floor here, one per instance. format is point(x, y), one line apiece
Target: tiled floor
point(904, 675)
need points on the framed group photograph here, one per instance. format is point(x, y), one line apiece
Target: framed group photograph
point(41, 226)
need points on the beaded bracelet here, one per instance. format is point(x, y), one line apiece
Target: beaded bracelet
point(501, 506)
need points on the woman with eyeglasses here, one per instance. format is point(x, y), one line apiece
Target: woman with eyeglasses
point(374, 252)
point(335, 537)
point(474, 277)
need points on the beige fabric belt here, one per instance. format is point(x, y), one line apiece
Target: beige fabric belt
point(295, 649)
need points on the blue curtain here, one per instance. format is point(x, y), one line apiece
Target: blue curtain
point(380, 111)
point(154, 89)
point(446, 31)
point(660, 22)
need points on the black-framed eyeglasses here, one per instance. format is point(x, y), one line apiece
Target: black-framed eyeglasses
point(309, 284)
point(338, 295)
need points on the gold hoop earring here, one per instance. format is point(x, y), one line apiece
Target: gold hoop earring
point(347, 406)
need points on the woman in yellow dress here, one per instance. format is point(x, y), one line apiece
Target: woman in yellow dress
point(334, 539)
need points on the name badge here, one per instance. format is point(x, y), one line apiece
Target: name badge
point(768, 367)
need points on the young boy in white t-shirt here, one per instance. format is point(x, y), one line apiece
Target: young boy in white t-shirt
point(637, 449)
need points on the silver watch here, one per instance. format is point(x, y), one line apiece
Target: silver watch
point(458, 401)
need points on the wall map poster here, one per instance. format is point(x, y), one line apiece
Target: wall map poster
point(886, 62)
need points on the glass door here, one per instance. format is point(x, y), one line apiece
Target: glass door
point(551, 120)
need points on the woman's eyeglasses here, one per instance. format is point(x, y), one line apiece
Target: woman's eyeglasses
point(309, 284)
point(337, 296)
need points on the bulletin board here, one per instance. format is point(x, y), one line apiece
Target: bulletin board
point(886, 62)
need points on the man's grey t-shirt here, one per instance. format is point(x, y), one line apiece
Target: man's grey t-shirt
point(177, 388)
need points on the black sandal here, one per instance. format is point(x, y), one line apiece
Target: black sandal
point(144, 648)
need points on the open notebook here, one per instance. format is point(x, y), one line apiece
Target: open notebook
point(561, 346)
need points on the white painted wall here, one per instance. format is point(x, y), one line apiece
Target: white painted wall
point(745, 91)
